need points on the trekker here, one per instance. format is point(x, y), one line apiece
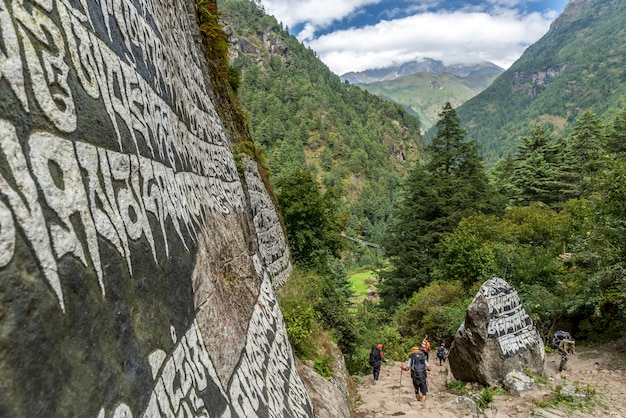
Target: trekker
point(426, 346)
point(566, 346)
point(376, 358)
point(442, 353)
point(419, 367)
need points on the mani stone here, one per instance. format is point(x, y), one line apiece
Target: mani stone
point(496, 338)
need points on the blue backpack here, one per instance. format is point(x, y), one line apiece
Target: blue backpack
point(441, 352)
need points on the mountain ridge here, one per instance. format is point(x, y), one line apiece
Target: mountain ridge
point(578, 65)
point(423, 65)
point(424, 86)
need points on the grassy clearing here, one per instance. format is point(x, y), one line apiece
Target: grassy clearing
point(359, 283)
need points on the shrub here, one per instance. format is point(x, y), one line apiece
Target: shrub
point(458, 387)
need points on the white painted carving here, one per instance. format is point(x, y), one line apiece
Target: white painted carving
point(273, 247)
point(11, 63)
point(508, 323)
point(7, 235)
point(47, 68)
point(26, 210)
point(267, 365)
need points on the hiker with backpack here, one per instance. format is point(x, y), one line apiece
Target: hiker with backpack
point(564, 344)
point(376, 358)
point(418, 365)
point(442, 353)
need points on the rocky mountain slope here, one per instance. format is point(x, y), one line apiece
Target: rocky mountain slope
point(578, 65)
point(425, 65)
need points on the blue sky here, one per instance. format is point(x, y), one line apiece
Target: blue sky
point(355, 35)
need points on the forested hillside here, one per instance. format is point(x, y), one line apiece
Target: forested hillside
point(549, 218)
point(303, 117)
point(580, 64)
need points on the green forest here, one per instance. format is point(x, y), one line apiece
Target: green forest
point(548, 217)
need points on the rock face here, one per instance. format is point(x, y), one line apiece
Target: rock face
point(330, 398)
point(138, 267)
point(496, 338)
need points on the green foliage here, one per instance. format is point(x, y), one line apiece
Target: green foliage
point(315, 308)
point(323, 366)
point(436, 310)
point(545, 307)
point(458, 387)
point(359, 283)
point(208, 19)
point(372, 326)
point(312, 218)
point(299, 321)
point(465, 253)
point(539, 174)
point(485, 396)
point(571, 403)
point(539, 379)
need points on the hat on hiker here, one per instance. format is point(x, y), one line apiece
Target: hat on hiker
point(415, 349)
point(380, 346)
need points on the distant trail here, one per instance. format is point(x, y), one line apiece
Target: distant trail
point(360, 241)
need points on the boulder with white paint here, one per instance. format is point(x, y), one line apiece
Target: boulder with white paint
point(496, 338)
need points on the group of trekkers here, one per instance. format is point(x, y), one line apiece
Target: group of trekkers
point(417, 364)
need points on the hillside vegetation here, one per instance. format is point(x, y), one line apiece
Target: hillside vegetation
point(303, 117)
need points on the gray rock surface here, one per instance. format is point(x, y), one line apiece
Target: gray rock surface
point(496, 338)
point(330, 398)
point(518, 383)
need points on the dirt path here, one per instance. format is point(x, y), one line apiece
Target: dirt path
point(393, 394)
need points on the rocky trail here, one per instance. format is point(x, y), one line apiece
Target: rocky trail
point(599, 369)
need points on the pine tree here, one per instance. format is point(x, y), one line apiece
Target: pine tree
point(450, 186)
point(617, 135)
point(584, 150)
point(501, 177)
point(540, 174)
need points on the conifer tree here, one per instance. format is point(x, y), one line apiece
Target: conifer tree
point(450, 186)
point(617, 135)
point(583, 151)
point(539, 172)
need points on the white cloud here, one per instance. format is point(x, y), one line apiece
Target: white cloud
point(318, 13)
point(491, 30)
point(450, 37)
